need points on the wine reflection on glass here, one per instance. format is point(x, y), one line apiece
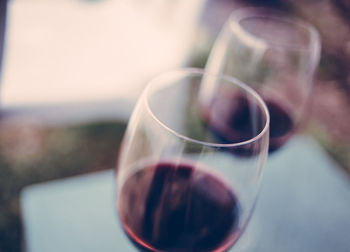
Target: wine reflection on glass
point(181, 186)
point(277, 56)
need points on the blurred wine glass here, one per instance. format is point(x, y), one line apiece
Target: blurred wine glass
point(180, 185)
point(277, 56)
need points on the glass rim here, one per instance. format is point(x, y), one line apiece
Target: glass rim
point(263, 12)
point(190, 72)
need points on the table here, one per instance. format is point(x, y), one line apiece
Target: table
point(304, 205)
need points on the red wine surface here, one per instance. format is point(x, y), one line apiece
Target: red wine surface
point(177, 207)
point(233, 119)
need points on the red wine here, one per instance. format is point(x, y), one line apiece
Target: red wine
point(233, 119)
point(281, 124)
point(177, 207)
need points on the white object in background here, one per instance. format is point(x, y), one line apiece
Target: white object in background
point(71, 52)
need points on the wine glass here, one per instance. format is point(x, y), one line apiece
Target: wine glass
point(277, 56)
point(187, 181)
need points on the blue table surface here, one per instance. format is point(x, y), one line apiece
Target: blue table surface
point(304, 205)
